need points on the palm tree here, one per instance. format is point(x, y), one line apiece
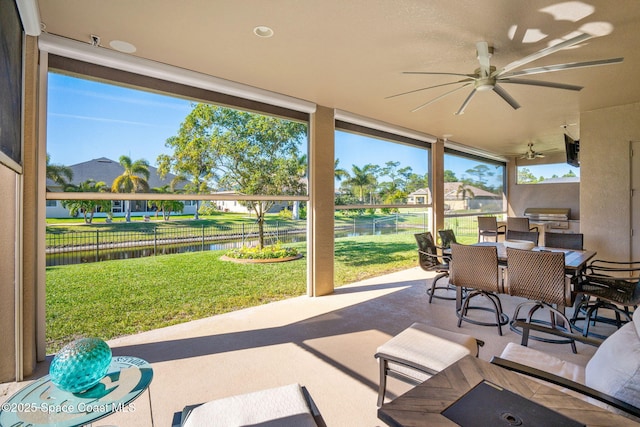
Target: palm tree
point(87, 207)
point(339, 173)
point(362, 178)
point(134, 178)
point(59, 174)
point(165, 206)
point(466, 193)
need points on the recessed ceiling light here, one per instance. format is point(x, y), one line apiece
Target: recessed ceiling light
point(121, 46)
point(263, 31)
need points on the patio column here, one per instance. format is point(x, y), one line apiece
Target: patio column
point(437, 186)
point(320, 212)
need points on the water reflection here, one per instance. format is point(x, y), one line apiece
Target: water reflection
point(87, 256)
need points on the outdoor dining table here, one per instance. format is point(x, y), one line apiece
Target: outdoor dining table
point(575, 261)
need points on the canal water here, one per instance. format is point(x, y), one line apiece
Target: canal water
point(87, 256)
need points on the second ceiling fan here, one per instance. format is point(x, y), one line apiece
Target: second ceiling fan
point(531, 154)
point(487, 77)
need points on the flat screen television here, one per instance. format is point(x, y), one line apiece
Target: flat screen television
point(572, 148)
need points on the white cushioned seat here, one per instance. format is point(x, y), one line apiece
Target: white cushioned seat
point(281, 406)
point(544, 362)
point(615, 367)
point(421, 351)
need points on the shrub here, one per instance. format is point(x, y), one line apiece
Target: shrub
point(285, 214)
point(208, 208)
point(269, 252)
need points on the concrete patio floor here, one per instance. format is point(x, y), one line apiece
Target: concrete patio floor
point(326, 344)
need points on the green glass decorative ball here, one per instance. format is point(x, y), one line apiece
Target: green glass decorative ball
point(80, 365)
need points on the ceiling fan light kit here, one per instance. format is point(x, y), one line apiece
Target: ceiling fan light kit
point(488, 78)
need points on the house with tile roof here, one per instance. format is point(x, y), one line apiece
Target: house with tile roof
point(456, 199)
point(106, 170)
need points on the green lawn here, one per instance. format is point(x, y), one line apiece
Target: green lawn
point(115, 298)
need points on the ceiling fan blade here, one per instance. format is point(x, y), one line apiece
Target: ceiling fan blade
point(439, 97)
point(483, 57)
point(466, 102)
point(430, 87)
point(542, 83)
point(560, 67)
point(508, 98)
point(437, 73)
point(542, 53)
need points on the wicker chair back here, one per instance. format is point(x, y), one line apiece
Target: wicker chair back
point(475, 267)
point(530, 236)
point(538, 276)
point(564, 240)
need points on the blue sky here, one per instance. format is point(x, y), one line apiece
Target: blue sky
point(88, 120)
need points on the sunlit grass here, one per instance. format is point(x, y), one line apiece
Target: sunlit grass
point(123, 297)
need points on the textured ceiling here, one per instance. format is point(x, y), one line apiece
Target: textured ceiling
point(350, 55)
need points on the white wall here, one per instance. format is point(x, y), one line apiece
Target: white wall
point(605, 137)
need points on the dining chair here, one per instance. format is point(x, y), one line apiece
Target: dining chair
point(611, 285)
point(520, 223)
point(429, 260)
point(475, 268)
point(447, 237)
point(540, 277)
point(564, 240)
point(530, 236)
point(488, 227)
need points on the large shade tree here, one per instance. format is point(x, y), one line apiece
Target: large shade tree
point(227, 149)
point(194, 158)
point(133, 179)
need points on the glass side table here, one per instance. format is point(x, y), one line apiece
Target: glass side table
point(43, 404)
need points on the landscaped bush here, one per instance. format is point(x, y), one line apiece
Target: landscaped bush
point(268, 252)
point(208, 208)
point(285, 214)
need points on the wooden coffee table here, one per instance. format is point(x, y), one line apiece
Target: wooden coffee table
point(422, 405)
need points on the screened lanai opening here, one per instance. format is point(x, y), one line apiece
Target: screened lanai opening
point(177, 177)
point(382, 197)
point(473, 186)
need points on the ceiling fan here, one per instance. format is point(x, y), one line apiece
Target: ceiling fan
point(531, 154)
point(488, 77)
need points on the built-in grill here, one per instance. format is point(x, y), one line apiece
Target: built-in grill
point(557, 218)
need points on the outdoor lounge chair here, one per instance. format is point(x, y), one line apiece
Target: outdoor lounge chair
point(612, 375)
point(289, 405)
point(419, 352)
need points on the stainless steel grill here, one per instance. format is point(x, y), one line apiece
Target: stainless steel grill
point(557, 218)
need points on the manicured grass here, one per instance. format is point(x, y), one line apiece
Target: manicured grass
point(115, 298)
